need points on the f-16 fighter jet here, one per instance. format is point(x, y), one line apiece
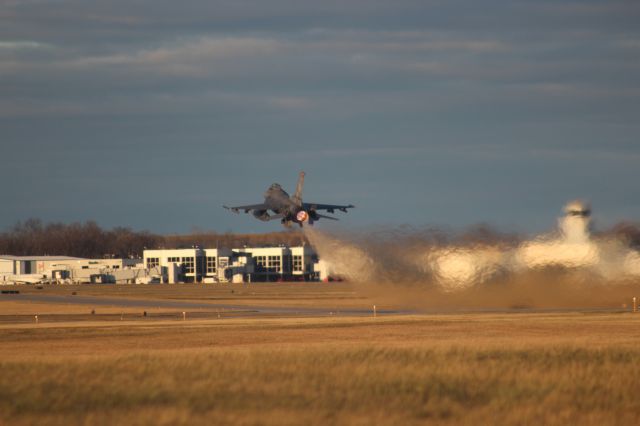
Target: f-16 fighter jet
point(289, 209)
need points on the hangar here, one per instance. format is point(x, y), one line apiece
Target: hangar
point(67, 269)
point(27, 265)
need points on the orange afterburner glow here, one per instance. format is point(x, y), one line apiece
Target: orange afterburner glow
point(302, 216)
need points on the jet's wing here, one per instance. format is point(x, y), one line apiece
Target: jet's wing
point(326, 217)
point(331, 208)
point(247, 208)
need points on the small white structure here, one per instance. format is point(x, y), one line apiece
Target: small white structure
point(325, 271)
point(575, 226)
point(572, 248)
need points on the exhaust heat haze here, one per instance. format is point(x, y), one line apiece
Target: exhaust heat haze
point(567, 267)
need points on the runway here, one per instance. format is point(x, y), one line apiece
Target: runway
point(237, 310)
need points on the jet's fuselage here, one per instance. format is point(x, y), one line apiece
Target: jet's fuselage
point(279, 201)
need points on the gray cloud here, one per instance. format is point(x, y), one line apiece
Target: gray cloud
point(489, 92)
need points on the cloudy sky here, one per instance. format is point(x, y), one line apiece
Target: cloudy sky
point(153, 113)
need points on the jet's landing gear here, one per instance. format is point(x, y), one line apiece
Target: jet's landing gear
point(286, 223)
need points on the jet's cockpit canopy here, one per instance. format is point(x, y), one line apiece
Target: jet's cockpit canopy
point(577, 208)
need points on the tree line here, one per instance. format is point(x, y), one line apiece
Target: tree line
point(35, 238)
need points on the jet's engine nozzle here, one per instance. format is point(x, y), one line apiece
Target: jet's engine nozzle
point(302, 216)
point(261, 214)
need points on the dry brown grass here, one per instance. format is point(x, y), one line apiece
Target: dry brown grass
point(445, 369)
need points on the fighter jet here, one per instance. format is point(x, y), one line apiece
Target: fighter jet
point(289, 209)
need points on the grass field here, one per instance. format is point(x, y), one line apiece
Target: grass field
point(497, 368)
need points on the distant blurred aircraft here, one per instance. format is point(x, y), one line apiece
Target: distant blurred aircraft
point(289, 209)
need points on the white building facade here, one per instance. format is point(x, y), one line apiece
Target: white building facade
point(186, 265)
point(67, 269)
point(244, 264)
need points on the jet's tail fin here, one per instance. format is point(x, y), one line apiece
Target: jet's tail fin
point(297, 197)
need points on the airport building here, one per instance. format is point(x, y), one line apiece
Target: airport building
point(189, 262)
point(244, 264)
point(190, 265)
point(210, 265)
point(68, 269)
point(282, 263)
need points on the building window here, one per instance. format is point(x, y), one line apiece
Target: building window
point(274, 263)
point(261, 263)
point(173, 259)
point(211, 264)
point(152, 262)
point(297, 263)
point(188, 263)
point(116, 267)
